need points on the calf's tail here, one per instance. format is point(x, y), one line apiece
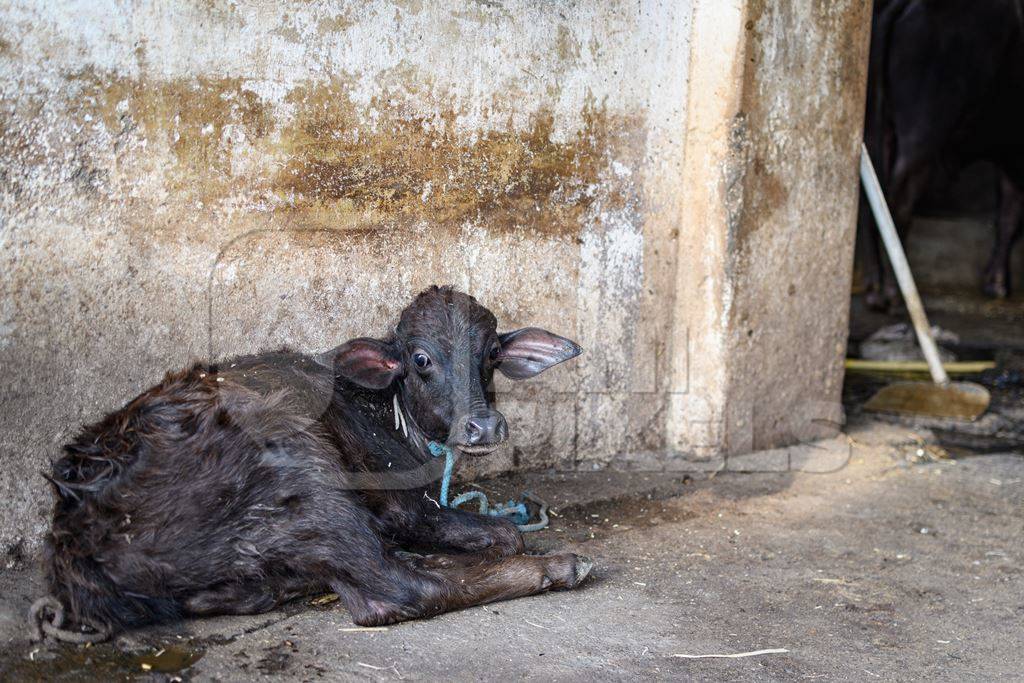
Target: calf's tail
point(46, 618)
point(86, 605)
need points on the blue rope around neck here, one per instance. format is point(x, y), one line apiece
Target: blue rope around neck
point(512, 511)
point(437, 450)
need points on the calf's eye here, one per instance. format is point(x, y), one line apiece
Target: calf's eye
point(421, 360)
point(494, 352)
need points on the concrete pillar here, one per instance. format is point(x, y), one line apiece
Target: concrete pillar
point(766, 236)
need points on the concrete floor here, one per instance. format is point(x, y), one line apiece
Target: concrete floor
point(898, 566)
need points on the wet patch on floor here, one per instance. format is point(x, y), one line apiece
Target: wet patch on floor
point(162, 651)
point(104, 662)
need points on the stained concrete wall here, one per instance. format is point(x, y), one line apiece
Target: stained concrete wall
point(191, 180)
point(791, 247)
point(775, 111)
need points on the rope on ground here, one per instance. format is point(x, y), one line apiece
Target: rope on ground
point(517, 513)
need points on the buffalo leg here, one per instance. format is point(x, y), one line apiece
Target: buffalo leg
point(1008, 227)
point(870, 254)
point(909, 181)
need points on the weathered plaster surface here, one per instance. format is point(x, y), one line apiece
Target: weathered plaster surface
point(796, 142)
point(770, 190)
point(188, 179)
point(774, 118)
point(698, 370)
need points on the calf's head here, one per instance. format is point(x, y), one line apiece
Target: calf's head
point(440, 363)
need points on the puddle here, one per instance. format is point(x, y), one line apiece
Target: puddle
point(97, 663)
point(964, 445)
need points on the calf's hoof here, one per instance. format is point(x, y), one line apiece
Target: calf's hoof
point(567, 571)
point(582, 570)
point(996, 288)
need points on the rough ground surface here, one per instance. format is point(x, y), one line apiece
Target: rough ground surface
point(899, 566)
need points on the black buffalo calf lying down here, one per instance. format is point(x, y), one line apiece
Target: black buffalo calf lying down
point(229, 488)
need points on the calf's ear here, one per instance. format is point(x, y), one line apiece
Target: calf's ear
point(530, 351)
point(367, 362)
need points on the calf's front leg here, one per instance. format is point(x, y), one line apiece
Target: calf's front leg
point(427, 525)
point(415, 592)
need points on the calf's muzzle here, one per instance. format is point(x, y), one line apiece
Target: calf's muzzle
point(480, 434)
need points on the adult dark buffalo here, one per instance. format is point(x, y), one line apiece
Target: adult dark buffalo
point(945, 89)
point(229, 488)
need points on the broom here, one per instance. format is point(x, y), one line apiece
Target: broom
point(940, 397)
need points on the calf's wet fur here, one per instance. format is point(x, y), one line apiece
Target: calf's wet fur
point(231, 488)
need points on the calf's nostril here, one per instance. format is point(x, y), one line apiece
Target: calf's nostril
point(474, 432)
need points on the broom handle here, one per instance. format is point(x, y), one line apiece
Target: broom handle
point(899, 264)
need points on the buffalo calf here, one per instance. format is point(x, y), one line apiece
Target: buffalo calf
point(230, 488)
